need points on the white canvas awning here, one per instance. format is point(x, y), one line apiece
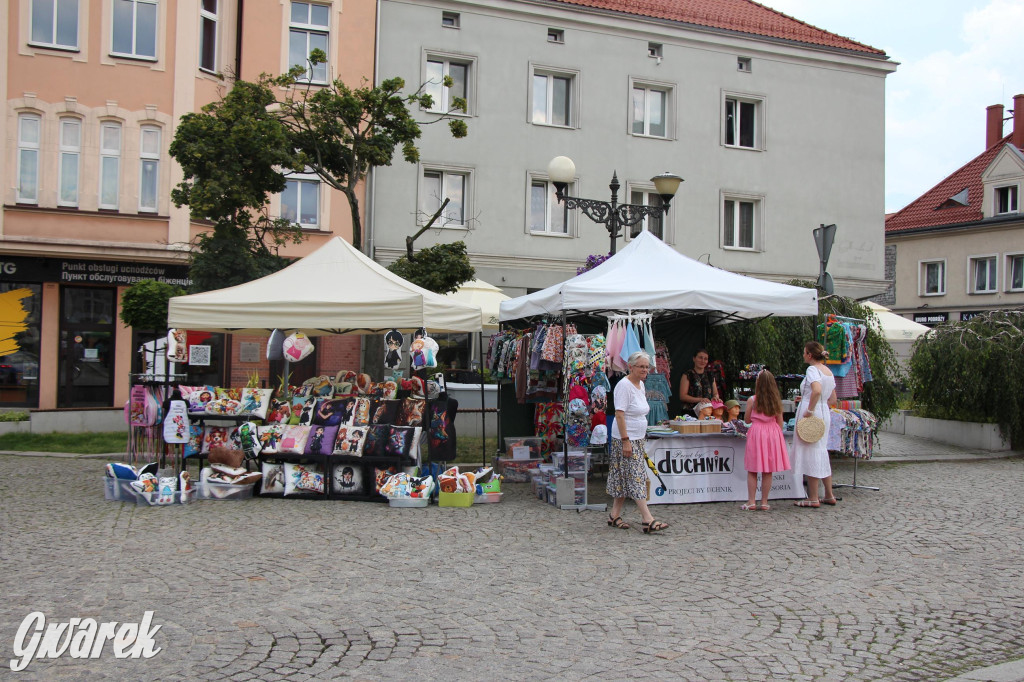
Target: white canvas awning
point(485, 296)
point(896, 327)
point(650, 275)
point(334, 290)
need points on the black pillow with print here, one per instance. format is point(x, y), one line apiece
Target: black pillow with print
point(384, 411)
point(376, 440)
point(441, 430)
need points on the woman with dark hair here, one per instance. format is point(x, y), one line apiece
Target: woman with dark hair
point(817, 394)
point(697, 385)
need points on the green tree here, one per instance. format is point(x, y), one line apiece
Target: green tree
point(144, 304)
point(441, 268)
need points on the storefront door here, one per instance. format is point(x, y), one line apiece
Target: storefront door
point(86, 347)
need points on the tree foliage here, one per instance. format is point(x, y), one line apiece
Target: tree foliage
point(973, 371)
point(441, 268)
point(777, 343)
point(144, 304)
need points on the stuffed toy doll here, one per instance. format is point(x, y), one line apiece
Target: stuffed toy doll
point(393, 343)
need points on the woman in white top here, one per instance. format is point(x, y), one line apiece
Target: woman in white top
point(817, 394)
point(627, 474)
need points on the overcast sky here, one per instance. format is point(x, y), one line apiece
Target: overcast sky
point(956, 58)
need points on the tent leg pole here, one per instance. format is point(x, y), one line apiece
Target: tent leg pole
point(483, 405)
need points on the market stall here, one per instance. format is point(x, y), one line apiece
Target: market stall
point(648, 288)
point(341, 434)
point(898, 331)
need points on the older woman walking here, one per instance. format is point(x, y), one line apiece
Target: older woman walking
point(627, 475)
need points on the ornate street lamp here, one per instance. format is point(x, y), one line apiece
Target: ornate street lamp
point(613, 215)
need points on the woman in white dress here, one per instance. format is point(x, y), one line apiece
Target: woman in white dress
point(817, 394)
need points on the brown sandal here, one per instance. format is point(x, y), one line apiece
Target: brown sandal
point(654, 527)
point(617, 522)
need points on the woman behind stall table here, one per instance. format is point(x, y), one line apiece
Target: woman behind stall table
point(697, 385)
point(627, 475)
point(817, 394)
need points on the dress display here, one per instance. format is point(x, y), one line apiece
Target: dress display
point(811, 459)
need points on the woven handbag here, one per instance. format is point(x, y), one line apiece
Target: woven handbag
point(810, 429)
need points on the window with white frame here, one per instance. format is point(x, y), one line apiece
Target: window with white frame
point(1015, 272)
point(741, 217)
point(70, 156)
point(300, 200)
point(443, 96)
point(308, 30)
point(742, 124)
point(110, 164)
point(546, 215)
point(29, 134)
point(983, 275)
point(438, 184)
point(208, 35)
point(55, 23)
point(650, 111)
point(933, 278)
point(134, 28)
point(1006, 199)
point(553, 97)
point(653, 224)
point(149, 169)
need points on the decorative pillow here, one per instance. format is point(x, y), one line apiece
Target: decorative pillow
point(225, 456)
point(223, 406)
point(381, 476)
point(376, 439)
point(302, 478)
point(399, 441)
point(305, 408)
point(439, 435)
point(347, 479)
point(321, 386)
point(255, 402)
point(273, 478)
point(215, 436)
point(344, 389)
point(270, 437)
point(228, 470)
point(321, 440)
point(229, 394)
point(199, 397)
point(279, 412)
point(385, 411)
point(274, 346)
point(293, 442)
point(363, 382)
point(297, 402)
point(248, 478)
point(331, 411)
point(125, 472)
point(195, 441)
point(361, 412)
point(411, 412)
point(414, 445)
point(296, 347)
point(385, 390)
point(350, 441)
point(247, 434)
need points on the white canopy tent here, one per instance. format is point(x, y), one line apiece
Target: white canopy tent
point(650, 275)
point(334, 290)
point(485, 296)
point(898, 331)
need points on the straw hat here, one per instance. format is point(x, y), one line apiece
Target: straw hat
point(810, 429)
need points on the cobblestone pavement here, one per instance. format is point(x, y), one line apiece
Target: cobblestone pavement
point(923, 580)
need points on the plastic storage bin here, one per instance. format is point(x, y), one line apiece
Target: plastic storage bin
point(487, 498)
point(224, 491)
point(408, 502)
point(455, 499)
point(517, 471)
point(118, 490)
point(579, 460)
point(155, 499)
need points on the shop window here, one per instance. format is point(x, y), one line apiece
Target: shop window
point(70, 154)
point(110, 164)
point(308, 30)
point(208, 35)
point(55, 23)
point(134, 29)
point(29, 133)
point(20, 306)
point(932, 278)
point(984, 275)
point(149, 169)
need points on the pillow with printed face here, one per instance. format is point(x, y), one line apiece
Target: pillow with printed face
point(376, 440)
point(229, 394)
point(347, 479)
point(361, 412)
point(223, 406)
point(293, 442)
point(200, 397)
point(385, 390)
point(350, 441)
point(411, 412)
point(194, 446)
point(385, 411)
point(381, 476)
point(303, 409)
point(344, 389)
point(273, 478)
point(321, 440)
point(255, 402)
point(279, 412)
point(319, 387)
point(331, 412)
point(399, 441)
point(302, 478)
point(217, 436)
point(270, 437)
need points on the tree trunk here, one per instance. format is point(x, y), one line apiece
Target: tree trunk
point(357, 224)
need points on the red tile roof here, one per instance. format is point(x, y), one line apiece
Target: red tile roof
point(743, 16)
point(925, 211)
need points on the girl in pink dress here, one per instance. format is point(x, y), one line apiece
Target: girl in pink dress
point(766, 446)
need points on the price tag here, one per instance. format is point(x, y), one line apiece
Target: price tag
point(521, 452)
